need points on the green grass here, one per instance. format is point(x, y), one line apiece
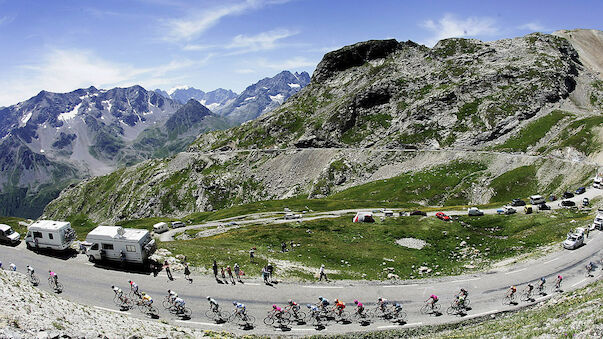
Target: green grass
point(440, 185)
point(365, 246)
point(14, 223)
point(580, 135)
point(533, 132)
point(517, 183)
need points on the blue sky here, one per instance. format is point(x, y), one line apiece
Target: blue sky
point(63, 45)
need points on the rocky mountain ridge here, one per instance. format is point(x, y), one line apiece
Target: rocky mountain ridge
point(212, 100)
point(366, 106)
point(55, 139)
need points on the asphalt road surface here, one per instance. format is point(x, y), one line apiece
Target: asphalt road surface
point(88, 284)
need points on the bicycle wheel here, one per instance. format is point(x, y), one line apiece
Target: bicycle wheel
point(186, 312)
point(59, 287)
point(153, 311)
point(401, 316)
point(249, 320)
point(173, 309)
point(425, 309)
point(299, 316)
point(344, 316)
point(269, 320)
point(437, 308)
point(284, 321)
point(210, 314)
point(166, 304)
point(466, 302)
point(451, 310)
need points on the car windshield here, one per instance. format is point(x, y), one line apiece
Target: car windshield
point(572, 238)
point(9, 231)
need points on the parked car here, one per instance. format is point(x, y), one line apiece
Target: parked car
point(585, 202)
point(8, 235)
point(544, 207)
point(442, 216)
point(474, 211)
point(160, 227)
point(567, 195)
point(417, 212)
point(552, 197)
point(506, 210)
point(518, 202)
point(567, 203)
point(536, 199)
point(527, 209)
point(580, 190)
point(598, 222)
point(177, 224)
point(573, 241)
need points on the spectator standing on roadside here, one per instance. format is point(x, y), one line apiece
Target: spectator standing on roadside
point(265, 274)
point(587, 231)
point(222, 273)
point(168, 271)
point(237, 271)
point(215, 268)
point(322, 273)
point(270, 270)
point(187, 273)
point(229, 271)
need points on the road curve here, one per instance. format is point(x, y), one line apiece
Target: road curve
point(88, 284)
point(269, 218)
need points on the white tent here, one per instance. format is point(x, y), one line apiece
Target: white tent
point(363, 217)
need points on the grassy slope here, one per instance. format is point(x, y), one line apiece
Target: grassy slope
point(365, 246)
point(532, 133)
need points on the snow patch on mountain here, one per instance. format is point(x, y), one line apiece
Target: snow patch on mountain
point(71, 114)
point(294, 85)
point(25, 119)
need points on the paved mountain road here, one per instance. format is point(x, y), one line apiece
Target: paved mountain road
point(270, 218)
point(89, 284)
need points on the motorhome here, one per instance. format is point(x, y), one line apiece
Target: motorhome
point(161, 227)
point(537, 200)
point(598, 181)
point(50, 234)
point(115, 243)
point(598, 222)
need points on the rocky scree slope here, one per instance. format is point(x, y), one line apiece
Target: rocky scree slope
point(54, 139)
point(33, 313)
point(363, 100)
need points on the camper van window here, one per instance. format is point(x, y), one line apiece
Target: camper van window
point(50, 236)
point(37, 234)
point(94, 247)
point(130, 248)
point(108, 247)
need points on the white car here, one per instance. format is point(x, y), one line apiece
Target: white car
point(176, 224)
point(474, 211)
point(506, 210)
point(573, 241)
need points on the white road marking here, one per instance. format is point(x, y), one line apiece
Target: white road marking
point(198, 323)
point(390, 286)
point(303, 329)
point(413, 324)
point(323, 286)
point(251, 284)
point(464, 280)
point(388, 326)
point(579, 282)
point(523, 269)
point(110, 310)
point(550, 261)
point(481, 314)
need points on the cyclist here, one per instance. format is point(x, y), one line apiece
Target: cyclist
point(323, 303)
point(541, 284)
point(12, 267)
point(213, 304)
point(54, 276)
point(277, 311)
point(460, 299)
point(339, 306)
point(558, 281)
point(172, 296)
point(179, 303)
point(134, 288)
point(146, 299)
point(382, 304)
point(30, 271)
point(314, 311)
point(589, 267)
point(511, 291)
point(359, 307)
point(529, 290)
point(463, 293)
point(397, 308)
point(293, 306)
point(432, 300)
point(239, 308)
point(118, 292)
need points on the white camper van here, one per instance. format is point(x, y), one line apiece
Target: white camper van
point(109, 242)
point(598, 222)
point(537, 200)
point(161, 227)
point(50, 234)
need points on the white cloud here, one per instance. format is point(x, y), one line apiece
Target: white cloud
point(262, 41)
point(193, 26)
point(449, 26)
point(66, 70)
point(288, 64)
point(6, 19)
point(533, 27)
